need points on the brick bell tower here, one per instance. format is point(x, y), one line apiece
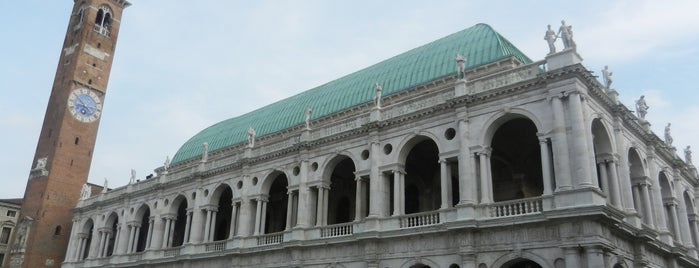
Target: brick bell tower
point(64, 152)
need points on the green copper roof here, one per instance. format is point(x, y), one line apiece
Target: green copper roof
point(479, 44)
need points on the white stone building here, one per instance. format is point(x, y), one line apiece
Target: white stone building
point(413, 163)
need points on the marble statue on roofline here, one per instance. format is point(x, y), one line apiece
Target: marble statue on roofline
point(668, 135)
point(106, 186)
point(85, 192)
point(688, 155)
point(565, 32)
point(377, 95)
point(251, 137)
point(461, 65)
point(307, 117)
point(607, 76)
point(133, 176)
point(166, 165)
point(550, 37)
point(205, 152)
point(641, 107)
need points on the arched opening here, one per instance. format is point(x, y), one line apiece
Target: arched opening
point(516, 161)
point(422, 177)
point(341, 199)
point(223, 216)
point(604, 161)
point(640, 186)
point(691, 214)
point(103, 20)
point(180, 223)
point(87, 231)
point(666, 194)
point(521, 263)
point(143, 230)
point(112, 223)
point(420, 265)
point(57, 231)
point(275, 215)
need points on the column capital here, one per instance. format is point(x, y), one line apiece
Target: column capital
point(486, 150)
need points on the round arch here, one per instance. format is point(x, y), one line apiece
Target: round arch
point(270, 178)
point(419, 263)
point(408, 143)
point(331, 162)
point(112, 217)
point(602, 141)
point(493, 123)
point(636, 163)
point(510, 258)
point(220, 187)
point(175, 204)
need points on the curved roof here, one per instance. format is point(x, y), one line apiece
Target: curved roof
point(479, 44)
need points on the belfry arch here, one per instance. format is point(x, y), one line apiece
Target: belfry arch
point(515, 162)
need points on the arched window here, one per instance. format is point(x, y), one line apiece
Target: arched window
point(103, 20)
point(57, 231)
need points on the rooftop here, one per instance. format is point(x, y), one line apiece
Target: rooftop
point(479, 44)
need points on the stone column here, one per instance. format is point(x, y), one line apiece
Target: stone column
point(100, 248)
point(486, 191)
point(195, 232)
point(694, 223)
point(289, 209)
point(398, 193)
point(302, 206)
point(258, 216)
point(583, 176)
point(614, 184)
point(647, 214)
point(136, 237)
point(319, 206)
point(595, 257)
point(166, 233)
point(560, 146)
point(358, 199)
point(467, 179)
point(124, 236)
point(445, 183)
point(149, 236)
point(108, 236)
point(93, 246)
point(81, 247)
point(212, 230)
point(672, 208)
point(637, 201)
point(545, 165)
point(132, 238)
point(188, 225)
point(234, 219)
point(325, 205)
point(72, 240)
point(245, 217)
point(572, 257)
point(157, 234)
point(263, 217)
point(207, 226)
point(376, 204)
point(684, 221)
point(171, 235)
point(602, 166)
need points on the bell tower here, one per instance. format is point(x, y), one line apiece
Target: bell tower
point(64, 151)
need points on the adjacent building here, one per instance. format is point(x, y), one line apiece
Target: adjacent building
point(9, 216)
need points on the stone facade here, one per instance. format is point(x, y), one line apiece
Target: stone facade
point(515, 165)
point(9, 216)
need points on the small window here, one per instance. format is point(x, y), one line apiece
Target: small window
point(77, 140)
point(103, 21)
point(11, 213)
point(57, 231)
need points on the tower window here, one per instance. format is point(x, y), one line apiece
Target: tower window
point(77, 140)
point(103, 21)
point(57, 231)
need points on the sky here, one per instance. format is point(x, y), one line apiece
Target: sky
point(182, 66)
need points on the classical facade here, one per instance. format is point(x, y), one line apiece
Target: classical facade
point(460, 153)
point(9, 216)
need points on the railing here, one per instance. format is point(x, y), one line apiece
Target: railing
point(102, 30)
point(216, 246)
point(269, 239)
point(173, 252)
point(341, 229)
point(515, 207)
point(419, 219)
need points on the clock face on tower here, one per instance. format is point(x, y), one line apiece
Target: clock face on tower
point(84, 105)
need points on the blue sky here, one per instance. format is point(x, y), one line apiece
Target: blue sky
point(182, 66)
